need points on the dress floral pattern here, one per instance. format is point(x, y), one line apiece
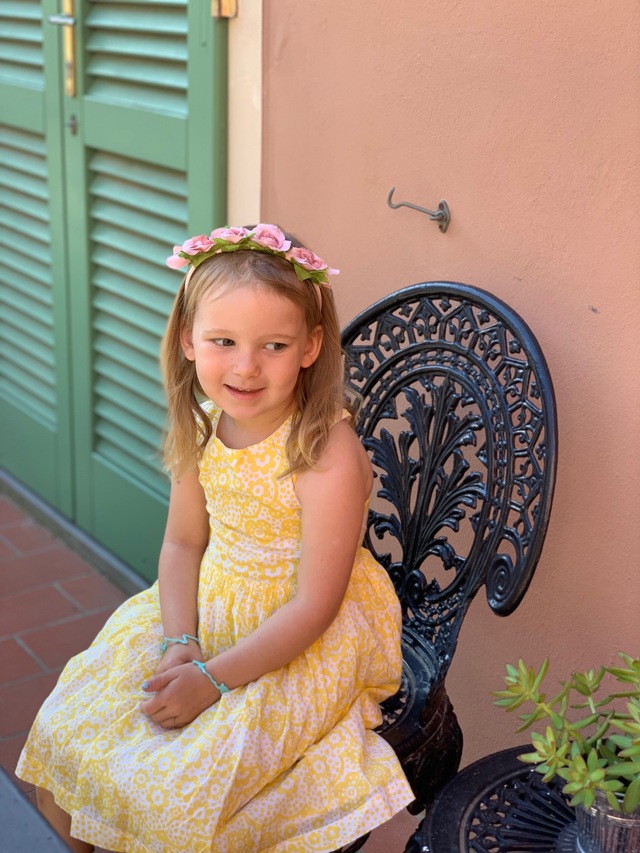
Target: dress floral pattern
point(288, 763)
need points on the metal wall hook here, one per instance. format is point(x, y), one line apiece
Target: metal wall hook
point(442, 215)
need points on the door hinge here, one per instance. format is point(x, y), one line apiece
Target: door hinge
point(224, 8)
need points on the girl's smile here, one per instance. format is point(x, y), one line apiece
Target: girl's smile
point(244, 393)
point(249, 345)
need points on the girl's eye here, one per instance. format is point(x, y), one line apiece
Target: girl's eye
point(223, 342)
point(276, 347)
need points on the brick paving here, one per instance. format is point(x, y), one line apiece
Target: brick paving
point(52, 604)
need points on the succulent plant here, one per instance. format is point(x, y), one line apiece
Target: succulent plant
point(591, 741)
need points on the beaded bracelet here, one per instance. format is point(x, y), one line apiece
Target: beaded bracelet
point(182, 640)
point(221, 687)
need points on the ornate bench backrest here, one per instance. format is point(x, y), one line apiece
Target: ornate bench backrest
point(458, 414)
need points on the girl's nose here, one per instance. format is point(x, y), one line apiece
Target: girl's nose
point(245, 364)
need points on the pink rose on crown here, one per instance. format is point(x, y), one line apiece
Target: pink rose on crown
point(175, 261)
point(309, 260)
point(196, 245)
point(231, 235)
point(271, 237)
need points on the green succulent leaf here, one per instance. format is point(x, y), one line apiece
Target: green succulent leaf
point(613, 801)
point(586, 721)
point(508, 702)
point(631, 799)
point(612, 785)
point(631, 728)
point(620, 741)
point(547, 772)
point(579, 763)
point(587, 797)
point(541, 675)
point(630, 752)
point(623, 694)
point(529, 719)
point(634, 709)
point(556, 719)
point(625, 768)
point(603, 727)
point(592, 761)
point(512, 672)
point(530, 757)
point(607, 751)
point(631, 673)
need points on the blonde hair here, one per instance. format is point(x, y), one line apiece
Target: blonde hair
point(319, 392)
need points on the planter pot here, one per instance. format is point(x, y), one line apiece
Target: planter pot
point(601, 829)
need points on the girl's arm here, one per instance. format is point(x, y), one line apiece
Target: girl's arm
point(185, 539)
point(332, 498)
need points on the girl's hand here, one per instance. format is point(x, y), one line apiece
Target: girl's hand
point(182, 693)
point(178, 654)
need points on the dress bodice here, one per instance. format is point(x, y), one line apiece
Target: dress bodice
point(254, 514)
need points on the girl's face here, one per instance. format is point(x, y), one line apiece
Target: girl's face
point(248, 346)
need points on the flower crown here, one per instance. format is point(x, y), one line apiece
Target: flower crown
point(268, 239)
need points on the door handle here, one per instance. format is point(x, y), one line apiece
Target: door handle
point(67, 20)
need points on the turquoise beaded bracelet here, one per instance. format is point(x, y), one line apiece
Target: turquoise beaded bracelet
point(221, 687)
point(182, 640)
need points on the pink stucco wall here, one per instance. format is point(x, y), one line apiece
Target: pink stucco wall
point(525, 117)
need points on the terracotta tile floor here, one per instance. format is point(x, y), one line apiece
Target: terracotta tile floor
point(52, 604)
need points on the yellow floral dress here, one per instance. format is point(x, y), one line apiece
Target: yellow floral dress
point(288, 763)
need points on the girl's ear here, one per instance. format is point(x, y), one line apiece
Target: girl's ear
point(313, 347)
point(186, 340)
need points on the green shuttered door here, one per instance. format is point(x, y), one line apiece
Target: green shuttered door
point(35, 416)
point(94, 191)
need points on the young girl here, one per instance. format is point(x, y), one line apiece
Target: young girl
point(232, 706)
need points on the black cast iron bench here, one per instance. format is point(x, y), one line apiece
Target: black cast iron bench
point(458, 415)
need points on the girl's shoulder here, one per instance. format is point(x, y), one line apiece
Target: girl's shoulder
point(344, 460)
point(343, 440)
